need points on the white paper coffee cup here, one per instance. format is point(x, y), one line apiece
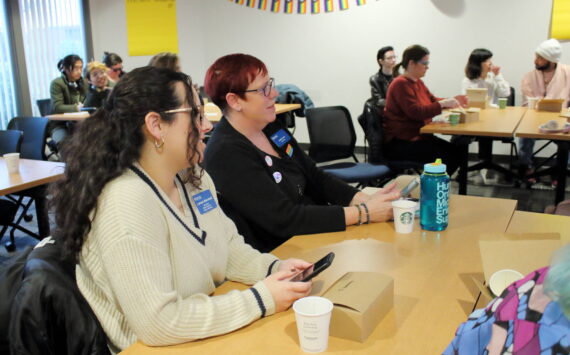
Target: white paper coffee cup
point(12, 162)
point(404, 212)
point(313, 315)
point(532, 101)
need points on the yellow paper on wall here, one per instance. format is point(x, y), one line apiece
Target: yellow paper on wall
point(151, 26)
point(560, 19)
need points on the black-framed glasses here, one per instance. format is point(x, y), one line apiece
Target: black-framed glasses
point(266, 90)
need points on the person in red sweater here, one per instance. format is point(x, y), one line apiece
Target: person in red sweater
point(409, 106)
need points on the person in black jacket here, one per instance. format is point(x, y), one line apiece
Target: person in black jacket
point(267, 184)
point(380, 81)
point(98, 84)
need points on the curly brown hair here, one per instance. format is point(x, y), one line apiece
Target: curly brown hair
point(110, 141)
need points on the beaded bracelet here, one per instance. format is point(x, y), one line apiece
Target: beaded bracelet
point(367, 213)
point(359, 215)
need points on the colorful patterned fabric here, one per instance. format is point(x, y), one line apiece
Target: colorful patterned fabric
point(522, 321)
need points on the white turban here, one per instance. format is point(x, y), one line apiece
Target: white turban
point(550, 50)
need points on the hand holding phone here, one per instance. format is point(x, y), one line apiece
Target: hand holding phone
point(315, 269)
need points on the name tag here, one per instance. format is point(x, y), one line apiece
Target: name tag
point(280, 138)
point(204, 201)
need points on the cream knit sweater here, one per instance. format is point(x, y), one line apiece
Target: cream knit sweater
point(147, 269)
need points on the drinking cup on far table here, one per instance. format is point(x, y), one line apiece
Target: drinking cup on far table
point(313, 315)
point(454, 118)
point(404, 212)
point(502, 102)
point(12, 162)
point(532, 101)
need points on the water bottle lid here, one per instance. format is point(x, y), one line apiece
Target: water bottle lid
point(435, 168)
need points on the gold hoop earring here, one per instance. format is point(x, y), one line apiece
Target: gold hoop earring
point(159, 144)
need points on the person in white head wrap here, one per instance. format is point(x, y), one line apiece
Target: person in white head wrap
point(549, 80)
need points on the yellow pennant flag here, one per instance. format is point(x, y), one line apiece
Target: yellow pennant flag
point(560, 19)
point(151, 26)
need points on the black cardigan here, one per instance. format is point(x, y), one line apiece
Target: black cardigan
point(272, 199)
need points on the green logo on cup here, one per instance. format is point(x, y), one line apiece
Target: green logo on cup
point(406, 218)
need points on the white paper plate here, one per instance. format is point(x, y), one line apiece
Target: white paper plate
point(503, 278)
point(563, 129)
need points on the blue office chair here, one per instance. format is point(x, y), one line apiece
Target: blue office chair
point(332, 137)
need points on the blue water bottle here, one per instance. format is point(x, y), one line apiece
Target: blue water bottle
point(434, 196)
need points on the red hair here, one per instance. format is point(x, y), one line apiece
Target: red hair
point(232, 73)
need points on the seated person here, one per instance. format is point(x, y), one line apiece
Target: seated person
point(270, 186)
point(114, 64)
point(410, 106)
point(142, 220)
point(481, 73)
point(380, 81)
point(98, 81)
point(67, 94)
point(532, 316)
point(550, 79)
point(166, 60)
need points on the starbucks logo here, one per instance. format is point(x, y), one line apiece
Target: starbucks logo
point(406, 218)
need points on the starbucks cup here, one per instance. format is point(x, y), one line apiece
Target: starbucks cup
point(404, 212)
point(313, 315)
point(502, 102)
point(12, 162)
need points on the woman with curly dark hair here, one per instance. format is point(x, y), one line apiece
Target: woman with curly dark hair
point(141, 218)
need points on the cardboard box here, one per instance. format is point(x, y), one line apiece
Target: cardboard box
point(523, 252)
point(361, 300)
point(477, 98)
point(550, 105)
point(467, 116)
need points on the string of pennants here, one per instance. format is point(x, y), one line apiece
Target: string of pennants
point(302, 6)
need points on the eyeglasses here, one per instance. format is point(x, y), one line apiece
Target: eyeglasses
point(200, 110)
point(117, 70)
point(266, 90)
point(423, 62)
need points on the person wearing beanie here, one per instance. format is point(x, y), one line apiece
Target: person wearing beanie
point(549, 80)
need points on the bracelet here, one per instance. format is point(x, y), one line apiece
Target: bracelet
point(367, 213)
point(359, 215)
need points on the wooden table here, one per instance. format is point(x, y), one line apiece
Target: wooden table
point(32, 174)
point(434, 291)
point(528, 128)
point(214, 114)
point(530, 222)
point(493, 122)
point(73, 116)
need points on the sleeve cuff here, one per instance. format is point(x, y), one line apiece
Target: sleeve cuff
point(264, 299)
point(274, 266)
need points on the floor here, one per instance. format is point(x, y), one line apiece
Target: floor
point(533, 199)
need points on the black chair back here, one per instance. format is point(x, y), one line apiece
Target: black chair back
point(10, 141)
point(331, 133)
point(511, 98)
point(44, 105)
point(35, 135)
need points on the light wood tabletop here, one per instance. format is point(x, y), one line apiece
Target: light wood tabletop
point(32, 173)
point(531, 222)
point(214, 114)
point(493, 122)
point(72, 116)
point(528, 128)
point(434, 291)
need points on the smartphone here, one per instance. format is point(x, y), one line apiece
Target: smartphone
point(406, 191)
point(314, 269)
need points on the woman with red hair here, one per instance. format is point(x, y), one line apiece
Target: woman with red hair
point(267, 184)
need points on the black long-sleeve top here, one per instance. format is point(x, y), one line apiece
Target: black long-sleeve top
point(272, 199)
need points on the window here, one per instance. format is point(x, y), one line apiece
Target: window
point(7, 91)
point(51, 29)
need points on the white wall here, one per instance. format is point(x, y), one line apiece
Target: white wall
point(332, 55)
